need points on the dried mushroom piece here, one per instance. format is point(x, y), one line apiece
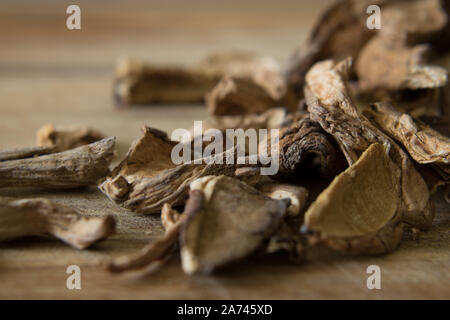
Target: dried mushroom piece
point(147, 177)
point(360, 212)
point(22, 153)
point(66, 138)
point(330, 104)
point(339, 33)
point(239, 96)
point(140, 83)
point(305, 147)
point(342, 31)
point(422, 21)
point(386, 62)
point(279, 191)
point(41, 217)
point(424, 144)
point(79, 167)
point(225, 220)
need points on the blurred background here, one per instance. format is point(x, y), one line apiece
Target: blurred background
point(49, 74)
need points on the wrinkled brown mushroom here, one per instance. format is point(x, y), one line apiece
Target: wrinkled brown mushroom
point(330, 104)
point(147, 177)
point(361, 210)
point(226, 220)
point(305, 148)
point(339, 33)
point(386, 62)
point(424, 144)
point(41, 217)
point(238, 96)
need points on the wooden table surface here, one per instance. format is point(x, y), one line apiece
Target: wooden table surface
point(51, 75)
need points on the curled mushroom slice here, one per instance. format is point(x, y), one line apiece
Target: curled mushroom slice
point(226, 220)
point(424, 144)
point(331, 105)
point(41, 217)
point(147, 177)
point(360, 212)
point(65, 138)
point(296, 194)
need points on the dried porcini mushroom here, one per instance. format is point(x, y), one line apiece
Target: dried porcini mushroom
point(226, 220)
point(147, 177)
point(41, 217)
point(296, 194)
point(66, 138)
point(237, 96)
point(339, 33)
point(331, 105)
point(342, 32)
point(79, 167)
point(305, 148)
point(361, 210)
point(140, 83)
point(424, 144)
point(422, 21)
point(386, 62)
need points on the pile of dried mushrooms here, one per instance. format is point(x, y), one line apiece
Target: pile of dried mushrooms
point(364, 113)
